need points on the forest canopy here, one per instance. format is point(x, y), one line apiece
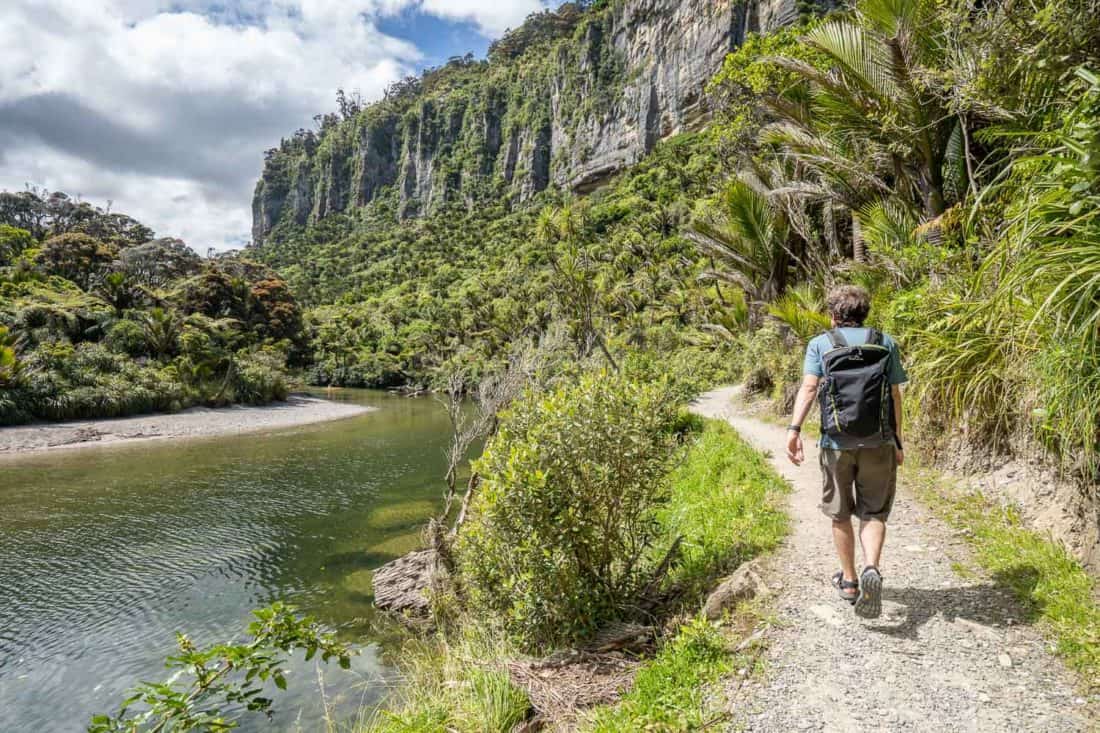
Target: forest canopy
point(100, 319)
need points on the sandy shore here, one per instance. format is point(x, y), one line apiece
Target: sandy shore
point(196, 422)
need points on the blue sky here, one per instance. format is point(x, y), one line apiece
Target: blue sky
point(164, 107)
point(437, 39)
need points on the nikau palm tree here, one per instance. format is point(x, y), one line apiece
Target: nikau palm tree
point(876, 124)
point(748, 238)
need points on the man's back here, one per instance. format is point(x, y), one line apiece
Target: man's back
point(854, 336)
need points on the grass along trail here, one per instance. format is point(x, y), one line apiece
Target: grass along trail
point(948, 653)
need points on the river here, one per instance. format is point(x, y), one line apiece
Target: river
point(106, 553)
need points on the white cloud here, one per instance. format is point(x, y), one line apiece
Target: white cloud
point(165, 106)
point(491, 16)
point(199, 214)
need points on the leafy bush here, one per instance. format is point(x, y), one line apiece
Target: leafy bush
point(563, 528)
point(259, 377)
point(76, 257)
point(213, 688)
point(770, 363)
point(9, 359)
point(127, 337)
point(12, 243)
point(688, 370)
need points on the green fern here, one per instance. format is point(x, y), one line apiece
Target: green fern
point(801, 309)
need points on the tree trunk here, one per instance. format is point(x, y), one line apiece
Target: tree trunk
point(859, 250)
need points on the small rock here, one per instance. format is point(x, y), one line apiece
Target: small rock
point(828, 614)
point(1005, 660)
point(745, 583)
point(983, 697)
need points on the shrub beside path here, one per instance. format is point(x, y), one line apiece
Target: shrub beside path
point(948, 653)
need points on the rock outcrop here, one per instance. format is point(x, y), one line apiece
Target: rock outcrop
point(402, 585)
point(744, 584)
point(569, 99)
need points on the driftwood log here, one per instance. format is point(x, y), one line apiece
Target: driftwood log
point(620, 636)
point(564, 685)
point(401, 585)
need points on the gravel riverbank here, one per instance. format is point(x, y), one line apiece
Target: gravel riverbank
point(196, 422)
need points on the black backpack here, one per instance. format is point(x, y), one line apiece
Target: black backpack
point(855, 396)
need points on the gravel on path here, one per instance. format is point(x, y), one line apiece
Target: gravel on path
point(948, 653)
point(195, 422)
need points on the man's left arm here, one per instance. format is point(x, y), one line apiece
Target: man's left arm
point(895, 391)
point(898, 377)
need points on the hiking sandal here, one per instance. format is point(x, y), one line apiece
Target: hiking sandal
point(869, 603)
point(848, 590)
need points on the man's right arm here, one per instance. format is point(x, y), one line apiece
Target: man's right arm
point(812, 372)
point(803, 401)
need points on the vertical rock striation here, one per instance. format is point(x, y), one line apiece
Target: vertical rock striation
point(569, 99)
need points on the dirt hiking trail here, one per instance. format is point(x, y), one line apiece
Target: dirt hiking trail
point(947, 654)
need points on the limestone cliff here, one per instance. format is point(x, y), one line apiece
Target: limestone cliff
point(568, 99)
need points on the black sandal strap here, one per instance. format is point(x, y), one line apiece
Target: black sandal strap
point(840, 582)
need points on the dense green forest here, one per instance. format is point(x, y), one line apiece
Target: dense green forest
point(100, 319)
point(936, 153)
point(394, 302)
point(945, 155)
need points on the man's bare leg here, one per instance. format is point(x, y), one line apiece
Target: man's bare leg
point(872, 534)
point(844, 539)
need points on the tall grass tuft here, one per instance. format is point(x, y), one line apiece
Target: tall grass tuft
point(452, 685)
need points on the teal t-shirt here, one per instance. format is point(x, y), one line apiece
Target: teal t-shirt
point(854, 336)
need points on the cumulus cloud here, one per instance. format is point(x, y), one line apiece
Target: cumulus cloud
point(492, 16)
point(165, 106)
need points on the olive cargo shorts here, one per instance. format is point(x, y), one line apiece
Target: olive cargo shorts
point(860, 481)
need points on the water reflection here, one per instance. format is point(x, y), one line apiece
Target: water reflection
point(105, 554)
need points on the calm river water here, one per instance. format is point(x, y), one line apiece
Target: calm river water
point(106, 553)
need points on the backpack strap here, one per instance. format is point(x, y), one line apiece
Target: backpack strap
point(874, 337)
point(836, 338)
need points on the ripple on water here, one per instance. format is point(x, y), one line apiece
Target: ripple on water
point(105, 555)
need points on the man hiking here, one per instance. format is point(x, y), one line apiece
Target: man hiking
point(855, 373)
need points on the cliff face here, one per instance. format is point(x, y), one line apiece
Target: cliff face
point(567, 100)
